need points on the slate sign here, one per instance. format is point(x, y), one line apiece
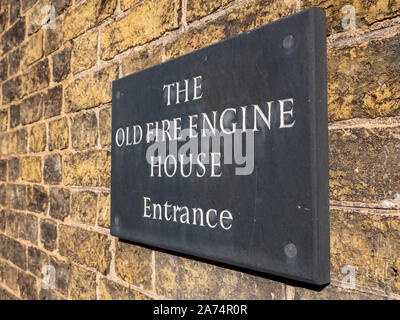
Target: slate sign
point(222, 153)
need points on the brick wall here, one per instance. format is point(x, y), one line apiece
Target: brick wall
point(55, 146)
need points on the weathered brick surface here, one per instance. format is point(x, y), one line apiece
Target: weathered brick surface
point(334, 293)
point(103, 210)
point(364, 164)
point(2, 220)
point(90, 168)
point(146, 22)
point(34, 49)
point(84, 53)
point(3, 194)
point(86, 15)
point(363, 80)
point(84, 132)
point(48, 235)
point(133, 264)
point(14, 8)
point(13, 169)
point(91, 90)
point(37, 259)
point(16, 196)
point(142, 59)
point(9, 275)
point(110, 290)
point(28, 228)
point(6, 295)
point(58, 134)
point(37, 77)
point(12, 90)
point(59, 203)
point(84, 207)
point(3, 120)
point(31, 169)
point(13, 251)
point(251, 15)
point(16, 59)
point(61, 64)
point(38, 138)
point(198, 9)
point(52, 169)
point(369, 243)
point(126, 4)
point(49, 294)
point(52, 102)
point(3, 69)
point(367, 12)
point(3, 170)
point(31, 109)
point(12, 223)
point(85, 247)
point(13, 36)
point(105, 127)
point(18, 142)
point(63, 275)
point(37, 199)
point(181, 278)
point(14, 115)
point(83, 284)
point(53, 38)
point(26, 4)
point(27, 286)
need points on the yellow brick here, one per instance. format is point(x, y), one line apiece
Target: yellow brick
point(91, 90)
point(367, 12)
point(37, 138)
point(364, 80)
point(103, 214)
point(17, 142)
point(105, 126)
point(83, 284)
point(244, 18)
point(84, 53)
point(34, 48)
point(141, 59)
point(3, 119)
point(370, 243)
point(4, 144)
point(31, 169)
point(194, 40)
point(84, 207)
point(85, 16)
point(58, 134)
point(133, 264)
point(145, 23)
point(85, 247)
point(182, 278)
point(90, 168)
point(198, 9)
point(110, 290)
point(84, 130)
point(364, 164)
point(126, 4)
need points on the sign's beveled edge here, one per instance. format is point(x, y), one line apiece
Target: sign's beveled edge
point(321, 257)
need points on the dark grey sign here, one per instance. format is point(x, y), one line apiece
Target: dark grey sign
point(222, 153)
